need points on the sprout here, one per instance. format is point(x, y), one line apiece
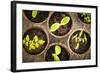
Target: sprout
point(34, 13)
point(57, 52)
point(65, 20)
point(33, 44)
point(78, 39)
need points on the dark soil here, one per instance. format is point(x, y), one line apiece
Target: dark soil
point(41, 34)
point(41, 16)
point(83, 47)
point(64, 55)
point(56, 18)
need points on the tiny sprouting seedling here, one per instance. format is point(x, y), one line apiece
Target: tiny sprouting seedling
point(78, 39)
point(34, 13)
point(86, 17)
point(65, 20)
point(57, 52)
point(34, 43)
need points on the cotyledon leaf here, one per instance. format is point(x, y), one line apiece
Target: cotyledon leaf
point(35, 38)
point(56, 58)
point(65, 20)
point(57, 49)
point(54, 27)
point(34, 13)
point(27, 38)
point(41, 42)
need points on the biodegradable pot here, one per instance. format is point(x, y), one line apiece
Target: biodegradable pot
point(41, 34)
point(82, 19)
point(56, 18)
point(83, 46)
point(64, 55)
point(41, 16)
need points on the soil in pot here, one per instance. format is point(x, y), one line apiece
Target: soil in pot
point(80, 41)
point(85, 17)
point(58, 54)
point(60, 18)
point(36, 16)
point(34, 41)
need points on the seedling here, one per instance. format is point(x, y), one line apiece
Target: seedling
point(34, 13)
point(65, 20)
point(57, 52)
point(86, 17)
point(33, 44)
point(78, 39)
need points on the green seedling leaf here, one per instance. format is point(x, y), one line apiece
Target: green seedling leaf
point(76, 39)
point(85, 38)
point(54, 27)
point(56, 58)
point(41, 42)
point(80, 34)
point(65, 20)
point(27, 38)
point(24, 41)
point(77, 46)
point(34, 13)
point(57, 50)
point(26, 44)
point(37, 45)
point(35, 38)
point(75, 36)
point(31, 42)
point(32, 47)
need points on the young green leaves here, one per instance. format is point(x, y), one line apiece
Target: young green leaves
point(86, 17)
point(33, 44)
point(57, 52)
point(26, 40)
point(34, 13)
point(78, 39)
point(63, 22)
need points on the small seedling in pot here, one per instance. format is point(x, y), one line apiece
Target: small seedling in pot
point(34, 13)
point(33, 44)
point(65, 20)
point(78, 39)
point(57, 52)
point(86, 17)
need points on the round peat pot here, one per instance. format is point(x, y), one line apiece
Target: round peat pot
point(53, 54)
point(79, 41)
point(39, 17)
point(60, 18)
point(35, 40)
point(85, 17)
